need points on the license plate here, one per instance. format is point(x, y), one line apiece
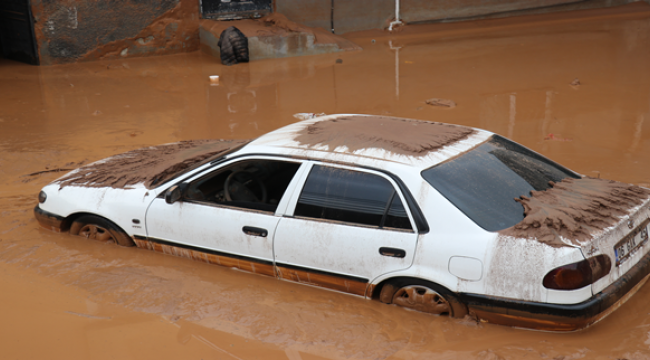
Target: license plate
point(631, 242)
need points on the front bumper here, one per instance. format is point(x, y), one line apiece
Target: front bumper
point(559, 317)
point(48, 220)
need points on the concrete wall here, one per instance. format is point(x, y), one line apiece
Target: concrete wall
point(356, 15)
point(428, 10)
point(79, 30)
point(349, 15)
point(314, 13)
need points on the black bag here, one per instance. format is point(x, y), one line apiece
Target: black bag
point(234, 46)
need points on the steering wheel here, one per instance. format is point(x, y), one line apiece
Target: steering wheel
point(239, 187)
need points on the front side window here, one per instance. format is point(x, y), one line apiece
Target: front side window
point(353, 197)
point(249, 184)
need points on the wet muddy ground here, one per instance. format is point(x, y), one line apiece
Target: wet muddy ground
point(65, 297)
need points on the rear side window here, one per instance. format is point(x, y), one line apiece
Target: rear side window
point(353, 197)
point(484, 182)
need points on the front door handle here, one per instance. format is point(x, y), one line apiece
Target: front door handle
point(255, 231)
point(392, 252)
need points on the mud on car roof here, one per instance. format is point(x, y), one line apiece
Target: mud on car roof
point(367, 139)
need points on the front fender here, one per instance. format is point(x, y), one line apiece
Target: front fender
point(121, 206)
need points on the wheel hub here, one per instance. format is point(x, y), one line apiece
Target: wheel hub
point(421, 298)
point(95, 232)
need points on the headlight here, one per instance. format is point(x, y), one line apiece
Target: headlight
point(42, 196)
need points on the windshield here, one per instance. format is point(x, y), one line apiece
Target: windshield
point(484, 182)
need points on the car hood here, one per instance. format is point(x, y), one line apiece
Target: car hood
point(150, 166)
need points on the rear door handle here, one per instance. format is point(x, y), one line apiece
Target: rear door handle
point(392, 252)
point(255, 231)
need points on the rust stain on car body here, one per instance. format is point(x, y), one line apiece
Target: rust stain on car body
point(209, 258)
point(323, 280)
point(400, 136)
point(574, 209)
point(304, 276)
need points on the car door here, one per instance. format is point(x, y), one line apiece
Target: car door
point(345, 227)
point(226, 216)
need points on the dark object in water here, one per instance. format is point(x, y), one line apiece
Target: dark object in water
point(234, 46)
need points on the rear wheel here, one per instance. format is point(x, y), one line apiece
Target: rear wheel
point(422, 296)
point(98, 228)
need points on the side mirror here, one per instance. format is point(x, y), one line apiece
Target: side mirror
point(173, 194)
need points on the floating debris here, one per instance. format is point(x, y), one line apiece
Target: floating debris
point(441, 102)
point(556, 137)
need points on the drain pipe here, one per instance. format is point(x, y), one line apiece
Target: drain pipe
point(332, 17)
point(397, 21)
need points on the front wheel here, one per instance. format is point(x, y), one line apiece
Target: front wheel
point(97, 228)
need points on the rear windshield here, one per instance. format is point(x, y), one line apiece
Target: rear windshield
point(484, 182)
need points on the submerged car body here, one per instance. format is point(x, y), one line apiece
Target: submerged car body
point(435, 217)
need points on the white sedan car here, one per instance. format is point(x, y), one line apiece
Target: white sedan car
point(434, 217)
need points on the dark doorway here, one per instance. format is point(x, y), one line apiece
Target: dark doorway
point(17, 31)
point(235, 9)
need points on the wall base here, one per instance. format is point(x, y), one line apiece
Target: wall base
point(274, 37)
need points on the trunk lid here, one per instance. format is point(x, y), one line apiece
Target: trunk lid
point(625, 243)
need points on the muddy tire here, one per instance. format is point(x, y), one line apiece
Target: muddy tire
point(233, 46)
point(422, 296)
point(98, 228)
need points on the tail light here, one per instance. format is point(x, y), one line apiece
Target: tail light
point(578, 275)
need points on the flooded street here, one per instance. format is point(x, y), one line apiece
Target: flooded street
point(572, 86)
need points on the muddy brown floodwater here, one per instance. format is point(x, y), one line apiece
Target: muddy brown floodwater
point(64, 297)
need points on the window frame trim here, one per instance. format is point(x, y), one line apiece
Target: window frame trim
point(397, 190)
point(282, 205)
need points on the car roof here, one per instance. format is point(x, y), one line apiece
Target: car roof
point(370, 140)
